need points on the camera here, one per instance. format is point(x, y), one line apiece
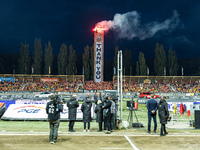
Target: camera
point(130, 104)
point(57, 99)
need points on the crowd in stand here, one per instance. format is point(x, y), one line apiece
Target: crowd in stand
point(72, 86)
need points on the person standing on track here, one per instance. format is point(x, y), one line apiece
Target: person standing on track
point(107, 109)
point(86, 110)
point(113, 114)
point(99, 111)
point(152, 107)
point(163, 115)
point(53, 109)
point(72, 105)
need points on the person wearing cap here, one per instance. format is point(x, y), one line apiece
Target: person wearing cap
point(163, 115)
point(72, 105)
point(152, 107)
point(53, 109)
point(99, 112)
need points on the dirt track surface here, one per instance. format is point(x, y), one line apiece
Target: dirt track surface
point(91, 142)
point(28, 142)
point(167, 142)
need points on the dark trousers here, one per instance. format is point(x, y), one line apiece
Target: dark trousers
point(71, 125)
point(85, 125)
point(108, 120)
point(54, 125)
point(100, 126)
point(162, 129)
point(149, 122)
point(112, 124)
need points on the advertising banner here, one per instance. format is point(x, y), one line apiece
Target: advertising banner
point(49, 79)
point(7, 102)
point(36, 112)
point(172, 105)
point(98, 62)
point(2, 108)
point(31, 101)
point(7, 79)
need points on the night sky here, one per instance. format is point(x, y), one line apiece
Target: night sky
point(71, 22)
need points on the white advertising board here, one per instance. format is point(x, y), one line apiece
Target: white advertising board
point(36, 112)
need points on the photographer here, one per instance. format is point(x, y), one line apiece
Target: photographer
point(53, 109)
point(163, 115)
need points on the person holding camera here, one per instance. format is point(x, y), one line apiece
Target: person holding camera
point(163, 115)
point(53, 109)
point(72, 105)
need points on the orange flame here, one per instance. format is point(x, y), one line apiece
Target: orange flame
point(99, 29)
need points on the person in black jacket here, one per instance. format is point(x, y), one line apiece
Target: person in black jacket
point(53, 109)
point(163, 115)
point(99, 112)
point(72, 105)
point(152, 107)
point(107, 114)
point(86, 110)
point(95, 98)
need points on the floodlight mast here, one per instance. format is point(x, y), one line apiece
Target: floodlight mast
point(119, 82)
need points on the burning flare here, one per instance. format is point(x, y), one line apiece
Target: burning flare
point(103, 26)
point(129, 25)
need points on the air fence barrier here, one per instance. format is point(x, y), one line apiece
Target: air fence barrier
point(28, 97)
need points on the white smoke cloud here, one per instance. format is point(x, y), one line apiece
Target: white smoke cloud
point(129, 26)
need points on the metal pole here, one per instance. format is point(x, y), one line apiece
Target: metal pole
point(118, 84)
point(121, 81)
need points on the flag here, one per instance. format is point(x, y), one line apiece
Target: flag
point(32, 70)
point(182, 70)
point(114, 71)
point(181, 109)
point(147, 71)
point(49, 70)
point(188, 113)
point(164, 71)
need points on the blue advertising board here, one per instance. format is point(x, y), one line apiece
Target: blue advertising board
point(7, 79)
point(7, 102)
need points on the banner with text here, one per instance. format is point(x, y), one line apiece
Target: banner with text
point(98, 62)
point(49, 79)
point(2, 79)
point(36, 112)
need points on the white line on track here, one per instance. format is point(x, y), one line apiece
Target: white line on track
point(112, 148)
point(132, 144)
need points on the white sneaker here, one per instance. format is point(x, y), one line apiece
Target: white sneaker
point(88, 130)
point(84, 130)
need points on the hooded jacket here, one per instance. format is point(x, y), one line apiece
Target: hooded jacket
point(86, 110)
point(163, 111)
point(72, 105)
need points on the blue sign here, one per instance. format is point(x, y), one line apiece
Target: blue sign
point(7, 79)
point(7, 102)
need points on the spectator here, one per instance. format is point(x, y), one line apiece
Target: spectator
point(86, 110)
point(152, 107)
point(72, 105)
